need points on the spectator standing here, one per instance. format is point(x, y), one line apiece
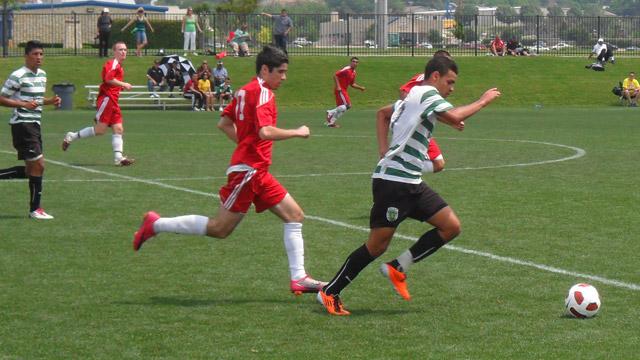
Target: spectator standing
point(189, 26)
point(631, 89)
point(204, 85)
point(282, 25)
point(239, 42)
point(192, 92)
point(155, 78)
point(220, 73)
point(104, 32)
point(174, 77)
point(139, 29)
point(24, 90)
point(497, 47)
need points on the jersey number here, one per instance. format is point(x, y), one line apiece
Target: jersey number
point(240, 100)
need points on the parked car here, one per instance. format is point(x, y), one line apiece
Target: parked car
point(302, 41)
point(540, 46)
point(632, 48)
point(370, 43)
point(560, 46)
point(471, 45)
point(425, 45)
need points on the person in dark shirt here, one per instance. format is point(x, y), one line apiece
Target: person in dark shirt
point(104, 32)
point(514, 48)
point(155, 77)
point(174, 77)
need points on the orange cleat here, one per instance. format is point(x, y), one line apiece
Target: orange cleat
point(398, 280)
point(332, 304)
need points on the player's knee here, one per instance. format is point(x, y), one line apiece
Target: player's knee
point(297, 216)
point(451, 230)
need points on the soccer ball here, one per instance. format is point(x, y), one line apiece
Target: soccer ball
point(583, 301)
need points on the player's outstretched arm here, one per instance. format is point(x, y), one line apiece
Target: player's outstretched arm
point(456, 116)
point(5, 101)
point(383, 118)
point(227, 126)
point(274, 133)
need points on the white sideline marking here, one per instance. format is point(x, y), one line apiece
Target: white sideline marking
point(491, 256)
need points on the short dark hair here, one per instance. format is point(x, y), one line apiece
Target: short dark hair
point(354, 58)
point(32, 45)
point(440, 64)
point(271, 56)
point(441, 52)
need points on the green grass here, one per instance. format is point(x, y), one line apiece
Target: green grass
point(550, 81)
point(73, 287)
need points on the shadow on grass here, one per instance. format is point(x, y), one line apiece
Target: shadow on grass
point(11, 217)
point(368, 312)
point(186, 302)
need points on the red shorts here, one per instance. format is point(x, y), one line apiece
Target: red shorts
point(342, 98)
point(108, 111)
point(246, 187)
point(433, 152)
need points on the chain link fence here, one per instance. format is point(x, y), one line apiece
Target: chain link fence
point(332, 34)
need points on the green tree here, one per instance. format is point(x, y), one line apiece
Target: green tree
point(592, 10)
point(238, 7)
point(575, 12)
point(506, 14)
point(555, 10)
point(465, 15)
point(434, 36)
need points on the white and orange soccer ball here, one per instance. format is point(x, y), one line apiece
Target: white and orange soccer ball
point(583, 301)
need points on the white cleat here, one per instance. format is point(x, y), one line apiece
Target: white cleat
point(66, 142)
point(124, 162)
point(39, 214)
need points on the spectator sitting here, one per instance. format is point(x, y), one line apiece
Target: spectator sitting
point(600, 51)
point(631, 89)
point(514, 48)
point(497, 47)
point(220, 73)
point(192, 92)
point(204, 68)
point(204, 85)
point(174, 77)
point(224, 92)
point(155, 78)
point(239, 41)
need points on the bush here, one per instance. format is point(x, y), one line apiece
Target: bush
point(167, 34)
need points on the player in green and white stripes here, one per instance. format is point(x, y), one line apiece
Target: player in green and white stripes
point(28, 84)
point(397, 186)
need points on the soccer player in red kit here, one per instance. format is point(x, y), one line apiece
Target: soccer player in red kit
point(108, 114)
point(250, 122)
point(343, 78)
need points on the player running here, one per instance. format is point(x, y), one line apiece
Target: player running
point(343, 78)
point(397, 186)
point(250, 122)
point(108, 114)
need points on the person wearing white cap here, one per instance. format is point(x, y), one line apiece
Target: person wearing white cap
point(600, 51)
point(104, 32)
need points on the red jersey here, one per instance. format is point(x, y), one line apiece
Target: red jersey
point(346, 76)
point(417, 79)
point(111, 70)
point(252, 108)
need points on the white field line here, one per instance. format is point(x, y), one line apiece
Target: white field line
point(578, 154)
point(494, 257)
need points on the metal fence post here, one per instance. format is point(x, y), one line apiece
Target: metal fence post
point(75, 34)
point(348, 37)
point(537, 34)
point(413, 34)
point(475, 31)
point(599, 27)
point(5, 27)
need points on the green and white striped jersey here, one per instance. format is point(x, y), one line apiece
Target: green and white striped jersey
point(24, 85)
point(411, 126)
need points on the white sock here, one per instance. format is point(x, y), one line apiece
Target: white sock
point(340, 110)
point(187, 224)
point(294, 244)
point(84, 133)
point(406, 260)
point(117, 143)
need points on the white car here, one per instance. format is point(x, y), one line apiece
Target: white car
point(302, 41)
point(425, 45)
point(370, 44)
point(561, 45)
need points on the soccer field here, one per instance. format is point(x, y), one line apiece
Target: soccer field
point(547, 198)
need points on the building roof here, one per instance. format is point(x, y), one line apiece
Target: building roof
point(108, 4)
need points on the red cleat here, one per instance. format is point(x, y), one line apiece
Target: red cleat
point(306, 285)
point(145, 232)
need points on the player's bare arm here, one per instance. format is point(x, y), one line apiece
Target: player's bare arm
point(456, 116)
point(383, 118)
point(54, 100)
point(275, 133)
point(122, 84)
point(357, 86)
point(5, 101)
point(227, 126)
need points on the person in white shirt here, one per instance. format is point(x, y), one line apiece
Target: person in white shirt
point(600, 51)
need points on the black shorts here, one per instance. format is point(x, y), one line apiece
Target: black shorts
point(27, 140)
point(395, 201)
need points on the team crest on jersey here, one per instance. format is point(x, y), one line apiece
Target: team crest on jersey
point(392, 214)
